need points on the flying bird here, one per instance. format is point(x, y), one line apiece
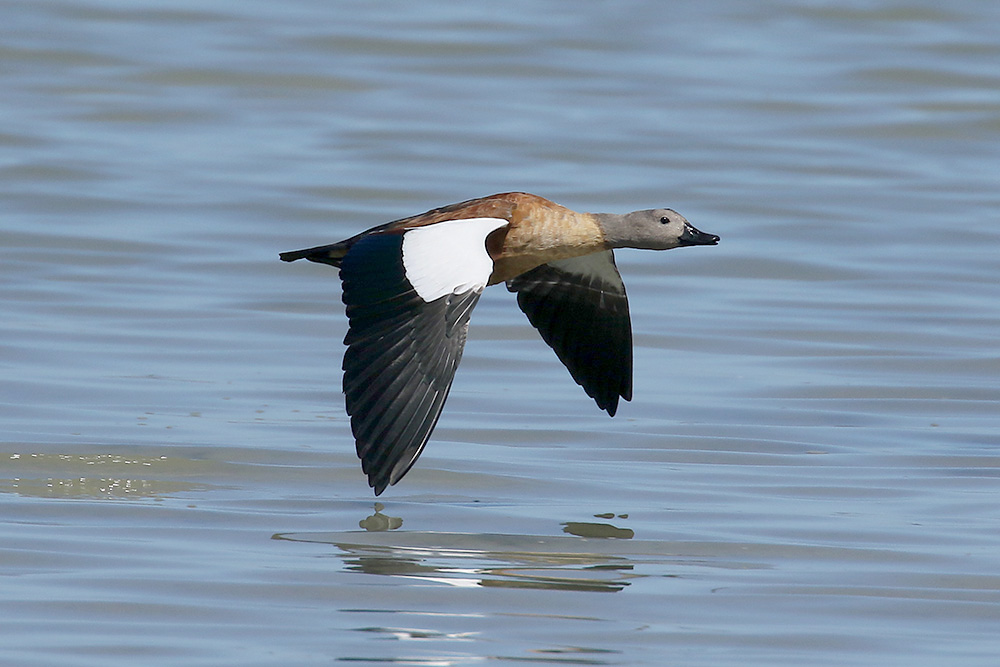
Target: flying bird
point(410, 286)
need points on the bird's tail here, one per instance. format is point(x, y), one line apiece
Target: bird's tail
point(325, 254)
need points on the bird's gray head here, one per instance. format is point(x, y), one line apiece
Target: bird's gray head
point(655, 229)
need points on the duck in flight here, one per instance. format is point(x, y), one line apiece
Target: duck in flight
point(411, 284)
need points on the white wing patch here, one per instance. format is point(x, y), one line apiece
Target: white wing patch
point(449, 257)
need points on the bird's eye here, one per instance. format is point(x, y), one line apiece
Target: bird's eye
point(664, 220)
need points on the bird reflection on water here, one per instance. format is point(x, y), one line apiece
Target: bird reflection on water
point(484, 560)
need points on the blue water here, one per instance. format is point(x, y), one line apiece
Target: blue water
point(809, 470)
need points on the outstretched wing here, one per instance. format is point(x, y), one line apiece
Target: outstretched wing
point(409, 295)
point(579, 307)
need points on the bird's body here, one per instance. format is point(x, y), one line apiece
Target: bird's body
point(410, 286)
point(537, 231)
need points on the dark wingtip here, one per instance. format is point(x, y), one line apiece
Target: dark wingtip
point(610, 405)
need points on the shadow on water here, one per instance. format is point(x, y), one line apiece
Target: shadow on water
point(471, 560)
point(595, 559)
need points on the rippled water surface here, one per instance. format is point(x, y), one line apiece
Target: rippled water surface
point(809, 471)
